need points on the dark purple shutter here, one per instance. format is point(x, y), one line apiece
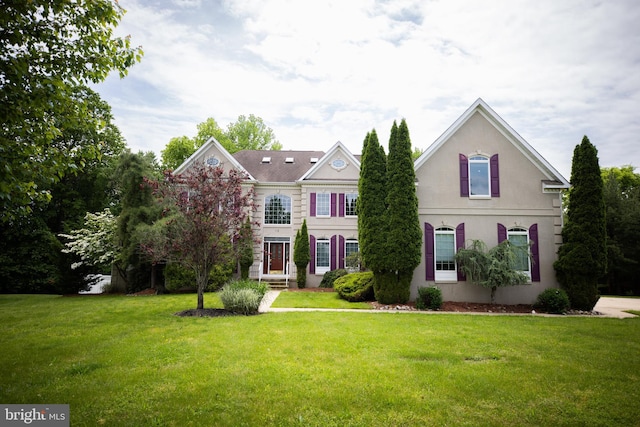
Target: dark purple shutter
point(429, 252)
point(312, 204)
point(535, 254)
point(495, 176)
point(502, 233)
point(340, 252)
point(341, 204)
point(460, 245)
point(464, 176)
point(332, 252)
point(334, 200)
point(312, 250)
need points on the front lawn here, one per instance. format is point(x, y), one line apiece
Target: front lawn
point(129, 361)
point(315, 300)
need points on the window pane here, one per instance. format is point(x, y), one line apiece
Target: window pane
point(479, 177)
point(350, 249)
point(323, 204)
point(350, 204)
point(445, 252)
point(277, 210)
point(322, 253)
point(522, 254)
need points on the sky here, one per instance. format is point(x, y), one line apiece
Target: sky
point(318, 72)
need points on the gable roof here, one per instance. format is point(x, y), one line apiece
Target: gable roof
point(199, 154)
point(338, 146)
point(277, 166)
point(554, 180)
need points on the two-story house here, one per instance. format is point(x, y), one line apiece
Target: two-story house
point(479, 180)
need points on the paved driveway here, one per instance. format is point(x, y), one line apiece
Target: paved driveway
point(615, 307)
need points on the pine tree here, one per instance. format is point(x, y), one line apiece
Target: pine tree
point(371, 204)
point(301, 255)
point(582, 258)
point(404, 236)
point(245, 249)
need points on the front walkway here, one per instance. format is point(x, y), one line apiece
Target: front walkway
point(608, 306)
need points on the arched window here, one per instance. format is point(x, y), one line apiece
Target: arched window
point(445, 251)
point(479, 176)
point(277, 209)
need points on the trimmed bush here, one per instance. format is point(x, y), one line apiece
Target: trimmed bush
point(179, 278)
point(330, 277)
point(355, 287)
point(243, 296)
point(429, 298)
point(552, 300)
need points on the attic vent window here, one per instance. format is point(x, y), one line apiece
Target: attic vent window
point(313, 160)
point(288, 160)
point(266, 160)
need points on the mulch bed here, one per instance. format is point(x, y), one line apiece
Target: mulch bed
point(208, 312)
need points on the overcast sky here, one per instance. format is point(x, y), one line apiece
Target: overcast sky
point(318, 72)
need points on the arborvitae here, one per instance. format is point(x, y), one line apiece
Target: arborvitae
point(245, 252)
point(301, 255)
point(371, 204)
point(582, 258)
point(404, 237)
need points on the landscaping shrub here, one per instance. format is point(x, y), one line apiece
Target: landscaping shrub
point(243, 296)
point(355, 287)
point(429, 298)
point(178, 277)
point(330, 277)
point(553, 300)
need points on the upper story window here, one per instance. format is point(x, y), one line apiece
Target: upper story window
point(323, 204)
point(350, 200)
point(479, 176)
point(277, 209)
point(519, 237)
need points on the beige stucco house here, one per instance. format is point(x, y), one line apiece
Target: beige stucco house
point(479, 180)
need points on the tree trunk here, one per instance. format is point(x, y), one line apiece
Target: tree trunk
point(201, 282)
point(493, 294)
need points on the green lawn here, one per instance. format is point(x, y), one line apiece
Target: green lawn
point(129, 361)
point(315, 300)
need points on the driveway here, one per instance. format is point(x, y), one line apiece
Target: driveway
point(614, 307)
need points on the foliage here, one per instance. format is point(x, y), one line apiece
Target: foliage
point(250, 133)
point(243, 296)
point(404, 236)
point(244, 134)
point(210, 208)
point(301, 255)
point(329, 278)
point(372, 191)
point(179, 278)
point(552, 300)
point(96, 243)
point(621, 189)
point(50, 51)
point(245, 249)
point(491, 268)
point(355, 287)
point(582, 258)
point(429, 298)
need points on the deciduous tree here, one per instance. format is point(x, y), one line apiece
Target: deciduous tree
point(209, 210)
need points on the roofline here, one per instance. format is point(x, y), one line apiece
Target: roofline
point(204, 147)
point(326, 156)
point(520, 143)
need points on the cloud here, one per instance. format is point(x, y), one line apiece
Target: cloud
point(318, 72)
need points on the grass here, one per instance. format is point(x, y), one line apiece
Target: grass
point(315, 300)
point(129, 361)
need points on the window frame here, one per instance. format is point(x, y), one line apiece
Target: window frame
point(321, 269)
point(320, 203)
point(479, 159)
point(347, 253)
point(286, 206)
point(441, 275)
point(347, 212)
point(521, 231)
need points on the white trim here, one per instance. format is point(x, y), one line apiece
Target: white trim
point(328, 155)
point(211, 142)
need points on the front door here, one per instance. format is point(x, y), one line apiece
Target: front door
point(277, 258)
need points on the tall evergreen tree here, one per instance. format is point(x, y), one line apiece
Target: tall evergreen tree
point(302, 255)
point(582, 258)
point(372, 193)
point(245, 250)
point(404, 237)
